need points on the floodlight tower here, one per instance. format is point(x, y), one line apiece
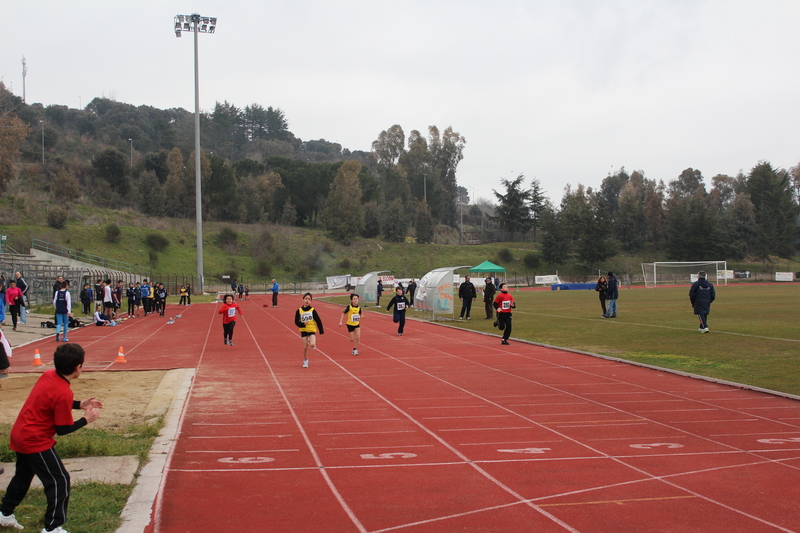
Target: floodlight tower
point(197, 24)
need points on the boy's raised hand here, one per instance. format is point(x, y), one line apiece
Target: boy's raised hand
point(91, 403)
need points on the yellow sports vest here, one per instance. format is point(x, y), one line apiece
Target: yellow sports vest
point(307, 318)
point(353, 315)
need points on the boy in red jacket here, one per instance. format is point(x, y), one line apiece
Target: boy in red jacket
point(228, 312)
point(47, 412)
point(504, 303)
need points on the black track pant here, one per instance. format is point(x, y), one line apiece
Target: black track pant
point(504, 323)
point(227, 330)
point(47, 466)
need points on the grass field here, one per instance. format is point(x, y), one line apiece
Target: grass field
point(754, 336)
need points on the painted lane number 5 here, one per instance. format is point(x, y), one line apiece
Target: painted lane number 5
point(779, 441)
point(398, 455)
point(247, 460)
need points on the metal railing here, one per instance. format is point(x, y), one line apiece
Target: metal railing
point(103, 262)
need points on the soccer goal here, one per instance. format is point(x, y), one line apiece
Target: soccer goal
point(668, 273)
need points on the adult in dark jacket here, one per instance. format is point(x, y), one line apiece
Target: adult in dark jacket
point(601, 288)
point(488, 298)
point(467, 293)
point(611, 297)
point(701, 294)
point(411, 289)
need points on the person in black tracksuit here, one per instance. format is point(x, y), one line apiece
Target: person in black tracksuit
point(489, 291)
point(701, 294)
point(400, 303)
point(467, 293)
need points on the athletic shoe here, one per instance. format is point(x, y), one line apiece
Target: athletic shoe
point(10, 521)
point(504, 342)
point(495, 323)
point(225, 342)
point(305, 363)
point(66, 339)
point(355, 352)
point(461, 318)
point(400, 334)
point(58, 337)
point(613, 316)
point(230, 343)
point(468, 318)
point(705, 330)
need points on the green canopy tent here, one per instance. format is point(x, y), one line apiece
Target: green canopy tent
point(487, 267)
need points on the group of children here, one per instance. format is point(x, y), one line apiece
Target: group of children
point(309, 322)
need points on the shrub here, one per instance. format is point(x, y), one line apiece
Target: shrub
point(156, 241)
point(531, 260)
point(228, 240)
point(57, 218)
point(153, 255)
point(262, 268)
point(505, 255)
point(113, 233)
point(345, 264)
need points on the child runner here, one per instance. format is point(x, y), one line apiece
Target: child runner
point(137, 298)
point(353, 312)
point(47, 412)
point(400, 302)
point(228, 312)
point(504, 303)
point(309, 322)
point(63, 304)
point(146, 297)
point(161, 298)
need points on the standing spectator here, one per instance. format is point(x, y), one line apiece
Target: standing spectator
point(612, 293)
point(466, 293)
point(188, 294)
point(275, 289)
point(22, 285)
point(98, 291)
point(130, 293)
point(496, 282)
point(62, 301)
point(5, 355)
point(411, 289)
point(137, 298)
point(183, 295)
point(57, 285)
point(86, 297)
point(489, 291)
point(602, 288)
point(147, 293)
point(15, 301)
point(119, 290)
point(240, 290)
point(701, 294)
point(2, 298)
point(108, 298)
point(379, 292)
point(504, 303)
point(234, 285)
point(47, 412)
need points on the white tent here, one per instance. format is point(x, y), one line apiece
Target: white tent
point(367, 287)
point(435, 292)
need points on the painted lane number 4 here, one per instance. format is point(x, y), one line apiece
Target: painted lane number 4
point(397, 455)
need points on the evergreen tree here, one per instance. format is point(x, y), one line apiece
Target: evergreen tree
point(425, 224)
point(395, 221)
point(775, 211)
point(344, 218)
point(372, 220)
point(513, 213)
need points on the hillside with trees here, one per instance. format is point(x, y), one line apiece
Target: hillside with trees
point(58, 164)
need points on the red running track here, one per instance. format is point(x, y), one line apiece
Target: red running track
point(446, 430)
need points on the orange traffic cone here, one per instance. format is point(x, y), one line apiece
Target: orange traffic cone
point(121, 356)
point(37, 359)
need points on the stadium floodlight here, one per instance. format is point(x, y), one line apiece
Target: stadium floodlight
point(192, 23)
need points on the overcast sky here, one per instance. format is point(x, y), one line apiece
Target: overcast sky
point(563, 91)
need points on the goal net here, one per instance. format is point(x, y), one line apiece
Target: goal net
point(670, 273)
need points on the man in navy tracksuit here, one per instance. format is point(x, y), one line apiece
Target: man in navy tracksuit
point(612, 293)
point(701, 295)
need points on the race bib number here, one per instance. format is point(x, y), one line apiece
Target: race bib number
point(231, 312)
point(506, 305)
point(355, 318)
point(306, 317)
point(401, 306)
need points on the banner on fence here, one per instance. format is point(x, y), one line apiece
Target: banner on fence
point(546, 280)
point(741, 274)
point(784, 276)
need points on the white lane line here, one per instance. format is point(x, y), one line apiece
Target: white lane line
point(236, 436)
point(238, 424)
point(460, 417)
point(355, 421)
point(368, 433)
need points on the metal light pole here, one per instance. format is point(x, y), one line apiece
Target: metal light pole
point(24, 73)
point(42, 122)
point(197, 24)
point(131, 141)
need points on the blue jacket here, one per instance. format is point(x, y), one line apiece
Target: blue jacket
point(701, 295)
point(611, 290)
